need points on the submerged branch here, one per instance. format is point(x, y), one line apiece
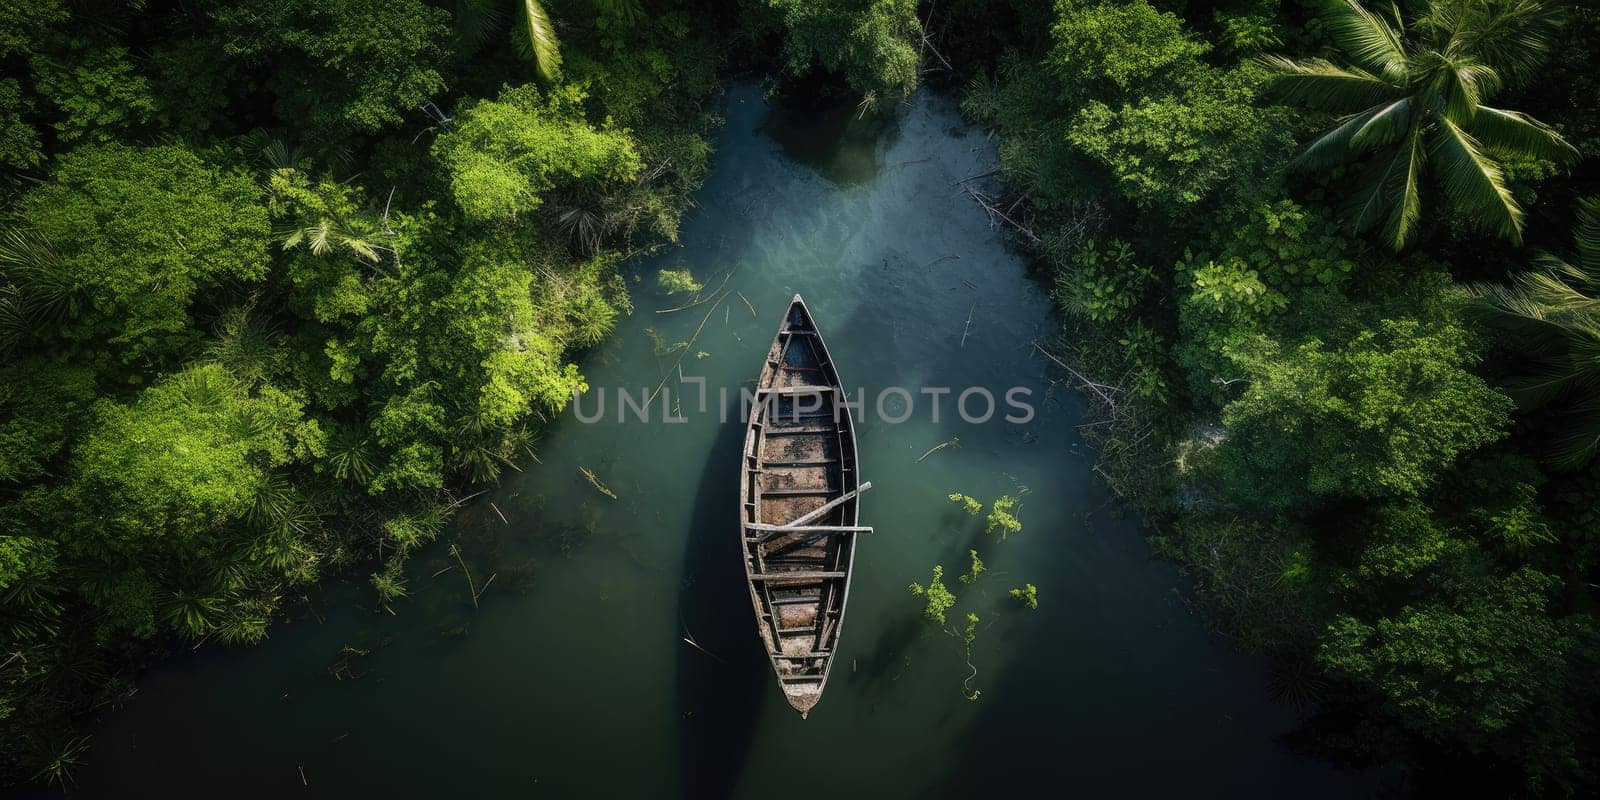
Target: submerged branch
point(996, 213)
point(689, 345)
point(605, 490)
point(1097, 388)
point(702, 300)
point(955, 441)
point(471, 587)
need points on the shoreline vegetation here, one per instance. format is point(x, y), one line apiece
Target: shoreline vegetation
point(280, 282)
point(1327, 277)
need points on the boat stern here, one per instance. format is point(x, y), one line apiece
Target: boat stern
point(802, 697)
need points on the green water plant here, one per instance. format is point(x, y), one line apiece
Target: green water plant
point(1028, 594)
point(1003, 517)
point(390, 582)
point(975, 569)
point(677, 281)
point(967, 636)
point(967, 503)
point(661, 346)
point(939, 598)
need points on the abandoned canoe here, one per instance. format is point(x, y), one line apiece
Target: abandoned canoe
point(798, 491)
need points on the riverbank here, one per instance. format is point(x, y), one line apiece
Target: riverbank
point(1316, 426)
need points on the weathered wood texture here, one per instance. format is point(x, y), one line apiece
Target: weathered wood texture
point(799, 495)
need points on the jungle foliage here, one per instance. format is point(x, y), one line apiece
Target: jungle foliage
point(1340, 312)
point(279, 279)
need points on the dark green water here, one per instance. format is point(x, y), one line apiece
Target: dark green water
point(572, 677)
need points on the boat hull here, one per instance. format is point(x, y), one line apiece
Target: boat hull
point(799, 466)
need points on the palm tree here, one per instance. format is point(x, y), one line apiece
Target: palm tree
point(1554, 314)
point(1413, 102)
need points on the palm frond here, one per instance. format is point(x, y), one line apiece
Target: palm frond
point(49, 291)
point(1501, 130)
point(13, 318)
point(1541, 317)
point(1579, 438)
point(1547, 314)
point(582, 225)
point(1326, 86)
point(1474, 182)
point(1369, 39)
point(1389, 193)
point(541, 43)
point(1555, 291)
point(1512, 36)
point(319, 236)
point(328, 235)
point(1384, 126)
point(475, 20)
point(206, 389)
point(1332, 147)
point(350, 453)
point(1406, 210)
point(1588, 239)
point(245, 345)
point(190, 612)
point(277, 154)
point(274, 502)
point(362, 248)
point(1465, 84)
point(1538, 388)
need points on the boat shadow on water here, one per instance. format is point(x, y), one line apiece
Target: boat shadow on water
point(721, 676)
point(872, 677)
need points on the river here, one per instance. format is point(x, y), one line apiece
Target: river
point(572, 675)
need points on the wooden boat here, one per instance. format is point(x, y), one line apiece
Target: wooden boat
point(798, 490)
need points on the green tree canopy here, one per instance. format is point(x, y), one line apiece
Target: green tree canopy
point(119, 241)
point(96, 89)
point(188, 456)
point(503, 156)
point(19, 142)
point(1470, 668)
point(1102, 48)
point(875, 44)
point(1173, 150)
point(42, 404)
point(340, 65)
point(1375, 417)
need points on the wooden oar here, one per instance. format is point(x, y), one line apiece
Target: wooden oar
point(797, 390)
point(817, 513)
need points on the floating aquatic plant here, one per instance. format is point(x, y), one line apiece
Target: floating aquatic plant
point(967, 503)
point(1028, 594)
point(974, 570)
point(677, 281)
point(1003, 518)
point(939, 598)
